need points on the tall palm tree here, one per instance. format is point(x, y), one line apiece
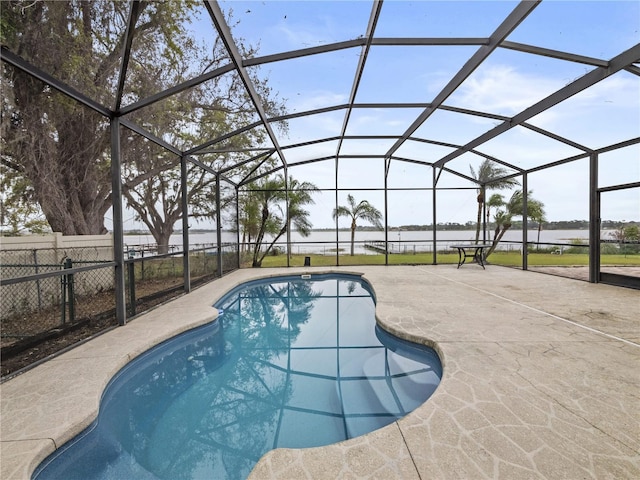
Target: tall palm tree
point(495, 201)
point(363, 210)
point(539, 216)
point(489, 177)
point(270, 195)
point(514, 208)
point(299, 196)
point(249, 218)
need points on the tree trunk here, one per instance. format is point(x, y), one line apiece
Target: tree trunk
point(163, 241)
point(539, 229)
point(353, 236)
point(60, 147)
point(268, 249)
point(479, 217)
point(256, 249)
point(488, 221)
point(498, 236)
point(289, 249)
point(256, 262)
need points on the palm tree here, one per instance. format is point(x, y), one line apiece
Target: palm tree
point(363, 210)
point(269, 195)
point(489, 176)
point(249, 218)
point(539, 216)
point(299, 196)
point(495, 201)
point(514, 208)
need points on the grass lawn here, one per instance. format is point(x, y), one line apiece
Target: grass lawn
point(566, 260)
point(511, 259)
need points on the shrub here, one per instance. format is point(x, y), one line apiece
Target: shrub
point(577, 246)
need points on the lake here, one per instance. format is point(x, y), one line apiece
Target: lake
point(325, 241)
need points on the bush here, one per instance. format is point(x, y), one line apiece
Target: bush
point(534, 248)
point(609, 249)
point(577, 246)
point(630, 248)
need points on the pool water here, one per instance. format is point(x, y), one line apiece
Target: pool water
point(290, 362)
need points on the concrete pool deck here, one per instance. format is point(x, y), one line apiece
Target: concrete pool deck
point(541, 379)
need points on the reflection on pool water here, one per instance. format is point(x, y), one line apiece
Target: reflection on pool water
point(291, 362)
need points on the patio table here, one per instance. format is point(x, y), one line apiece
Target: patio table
point(477, 255)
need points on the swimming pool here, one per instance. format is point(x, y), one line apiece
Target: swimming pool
point(291, 362)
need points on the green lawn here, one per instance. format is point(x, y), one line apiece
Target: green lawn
point(566, 260)
point(497, 258)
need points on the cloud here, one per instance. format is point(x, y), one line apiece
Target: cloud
point(320, 31)
point(435, 81)
point(617, 90)
point(314, 127)
point(602, 115)
point(614, 98)
point(502, 89)
point(316, 99)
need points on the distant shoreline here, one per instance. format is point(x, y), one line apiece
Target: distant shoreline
point(444, 227)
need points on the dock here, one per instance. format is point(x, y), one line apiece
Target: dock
point(376, 245)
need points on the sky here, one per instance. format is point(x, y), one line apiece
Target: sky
point(507, 83)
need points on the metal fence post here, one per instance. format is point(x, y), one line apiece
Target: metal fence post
point(132, 288)
point(38, 288)
point(63, 295)
point(67, 293)
point(71, 299)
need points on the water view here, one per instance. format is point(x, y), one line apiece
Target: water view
point(324, 241)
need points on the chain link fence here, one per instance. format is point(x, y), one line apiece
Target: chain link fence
point(51, 298)
point(151, 280)
point(20, 301)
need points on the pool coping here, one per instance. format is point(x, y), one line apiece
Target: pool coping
point(469, 428)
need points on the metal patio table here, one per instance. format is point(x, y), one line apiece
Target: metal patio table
point(477, 255)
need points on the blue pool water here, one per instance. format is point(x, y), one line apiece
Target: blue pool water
point(290, 362)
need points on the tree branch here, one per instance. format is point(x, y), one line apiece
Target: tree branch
point(11, 164)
